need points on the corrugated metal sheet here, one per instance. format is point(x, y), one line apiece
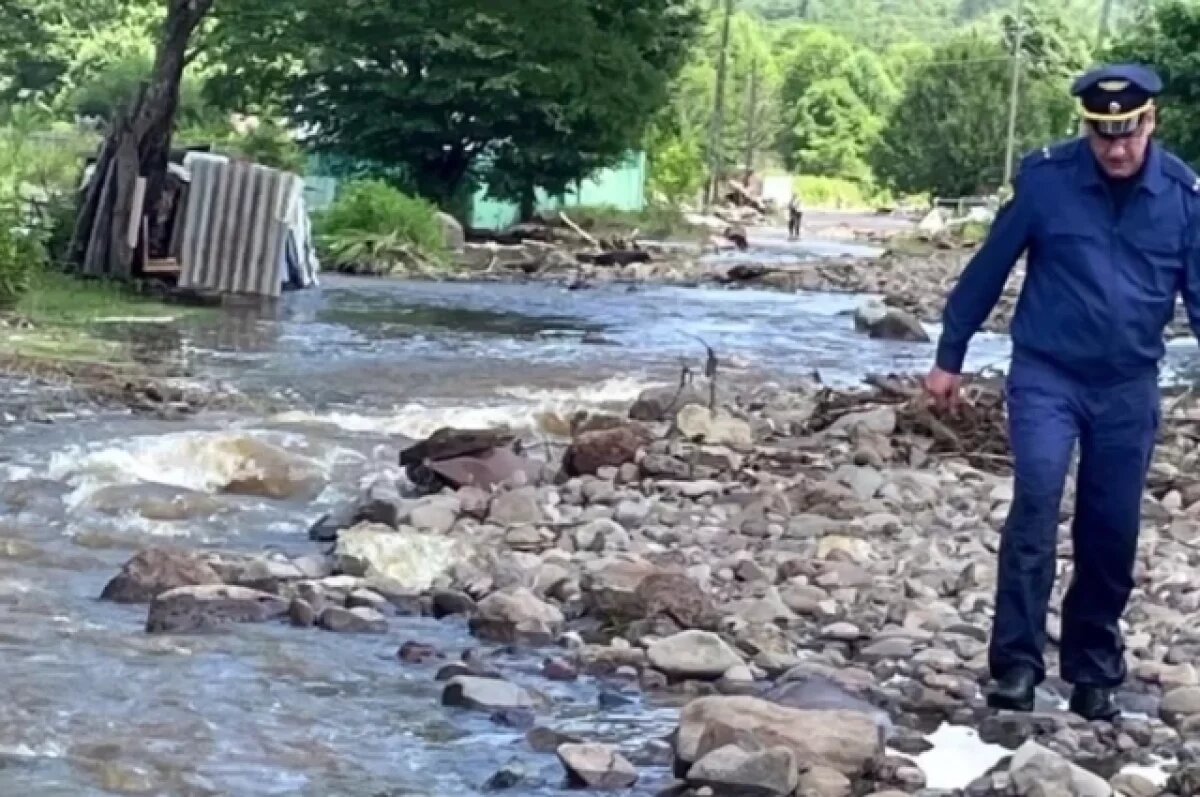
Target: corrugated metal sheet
point(235, 226)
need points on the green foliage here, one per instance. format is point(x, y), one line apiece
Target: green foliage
point(948, 134)
point(656, 221)
point(531, 93)
point(676, 167)
point(267, 142)
point(1168, 38)
point(836, 192)
point(114, 86)
point(374, 228)
point(22, 257)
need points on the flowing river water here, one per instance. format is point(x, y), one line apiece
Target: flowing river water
point(95, 706)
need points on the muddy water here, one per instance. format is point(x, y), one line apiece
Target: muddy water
point(94, 706)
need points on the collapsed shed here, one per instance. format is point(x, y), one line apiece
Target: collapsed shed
point(222, 225)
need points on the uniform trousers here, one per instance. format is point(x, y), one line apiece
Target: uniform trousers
point(1115, 427)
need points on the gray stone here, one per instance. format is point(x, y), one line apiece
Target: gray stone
point(485, 694)
point(823, 782)
point(205, 606)
point(1181, 703)
point(847, 741)
point(732, 770)
point(1034, 767)
point(360, 620)
point(157, 570)
point(516, 616)
point(596, 766)
point(693, 654)
point(516, 508)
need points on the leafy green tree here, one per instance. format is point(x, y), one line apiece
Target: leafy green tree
point(521, 94)
point(948, 134)
point(1168, 38)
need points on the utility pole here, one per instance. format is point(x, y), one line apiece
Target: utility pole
point(718, 118)
point(752, 116)
point(1014, 92)
point(1105, 13)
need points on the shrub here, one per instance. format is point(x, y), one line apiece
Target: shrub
point(375, 228)
point(836, 192)
point(22, 258)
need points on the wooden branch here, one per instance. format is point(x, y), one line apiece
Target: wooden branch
point(578, 230)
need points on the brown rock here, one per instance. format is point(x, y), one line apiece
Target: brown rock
point(609, 448)
point(417, 653)
point(157, 570)
point(206, 606)
point(847, 741)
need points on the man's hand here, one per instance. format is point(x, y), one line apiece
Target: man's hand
point(943, 387)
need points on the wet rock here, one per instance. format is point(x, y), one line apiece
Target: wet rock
point(596, 766)
point(264, 470)
point(559, 669)
point(1035, 769)
point(485, 694)
point(361, 620)
point(301, 613)
point(447, 443)
point(693, 654)
point(157, 570)
point(500, 467)
point(889, 323)
point(446, 603)
point(732, 770)
point(547, 740)
point(407, 560)
point(154, 502)
point(843, 740)
point(417, 653)
point(509, 776)
point(699, 423)
point(516, 507)
point(196, 608)
point(516, 616)
point(517, 718)
point(608, 448)
point(663, 403)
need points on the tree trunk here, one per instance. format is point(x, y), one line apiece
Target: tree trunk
point(138, 145)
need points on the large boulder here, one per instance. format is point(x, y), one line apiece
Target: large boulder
point(693, 654)
point(596, 766)
point(847, 741)
point(405, 559)
point(261, 469)
point(732, 770)
point(605, 448)
point(516, 616)
point(207, 606)
point(156, 570)
point(625, 588)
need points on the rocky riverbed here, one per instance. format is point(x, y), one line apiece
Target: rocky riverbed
point(796, 581)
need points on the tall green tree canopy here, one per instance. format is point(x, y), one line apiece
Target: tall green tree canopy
point(948, 133)
point(521, 93)
point(1167, 37)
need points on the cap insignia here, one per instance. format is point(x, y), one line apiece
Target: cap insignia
point(1114, 85)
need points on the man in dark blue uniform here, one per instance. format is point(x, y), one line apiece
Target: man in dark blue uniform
point(1107, 223)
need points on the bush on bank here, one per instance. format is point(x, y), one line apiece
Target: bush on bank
point(372, 228)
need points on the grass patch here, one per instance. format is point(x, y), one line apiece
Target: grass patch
point(57, 318)
point(655, 221)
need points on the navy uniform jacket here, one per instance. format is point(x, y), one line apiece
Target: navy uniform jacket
point(1100, 287)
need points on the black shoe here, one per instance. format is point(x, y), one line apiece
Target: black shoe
point(1014, 691)
point(1094, 703)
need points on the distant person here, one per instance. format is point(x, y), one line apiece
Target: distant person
point(1109, 226)
point(795, 216)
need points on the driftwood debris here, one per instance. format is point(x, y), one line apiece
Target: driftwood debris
point(131, 167)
